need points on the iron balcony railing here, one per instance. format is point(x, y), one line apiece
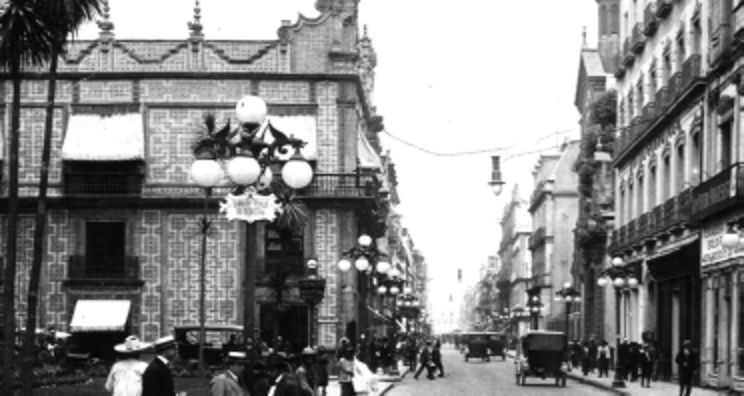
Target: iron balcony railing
point(649, 111)
point(638, 40)
point(691, 71)
point(661, 98)
point(628, 56)
point(632, 231)
point(338, 185)
point(649, 19)
point(102, 183)
point(643, 226)
point(719, 193)
point(663, 8)
point(103, 267)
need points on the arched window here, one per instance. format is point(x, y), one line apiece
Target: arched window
point(652, 186)
point(614, 19)
point(603, 28)
point(680, 169)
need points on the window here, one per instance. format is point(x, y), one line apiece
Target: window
point(285, 250)
point(695, 159)
point(666, 67)
point(716, 317)
point(103, 177)
point(639, 199)
point(631, 196)
point(614, 19)
point(681, 49)
point(725, 145)
point(631, 108)
point(740, 346)
point(104, 248)
point(680, 169)
point(621, 206)
point(603, 20)
point(639, 98)
point(666, 178)
point(652, 79)
point(651, 187)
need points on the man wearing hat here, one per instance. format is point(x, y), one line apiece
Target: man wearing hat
point(125, 378)
point(283, 383)
point(228, 383)
point(158, 379)
point(687, 363)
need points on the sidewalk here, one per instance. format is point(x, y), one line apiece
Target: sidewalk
point(631, 388)
point(386, 383)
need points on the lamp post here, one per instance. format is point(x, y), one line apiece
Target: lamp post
point(569, 295)
point(312, 288)
point(367, 260)
point(240, 158)
point(620, 276)
point(534, 305)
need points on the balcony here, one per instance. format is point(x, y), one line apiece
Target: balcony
point(537, 237)
point(661, 98)
point(619, 67)
point(649, 18)
point(649, 111)
point(542, 188)
point(663, 8)
point(719, 193)
point(628, 56)
point(691, 73)
point(341, 185)
point(673, 87)
point(637, 41)
point(739, 24)
point(643, 226)
point(657, 214)
point(720, 42)
point(677, 211)
point(632, 232)
point(102, 183)
point(103, 270)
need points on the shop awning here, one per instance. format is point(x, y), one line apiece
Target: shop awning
point(104, 137)
point(100, 315)
point(366, 154)
point(303, 127)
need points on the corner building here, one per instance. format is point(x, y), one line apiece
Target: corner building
point(124, 218)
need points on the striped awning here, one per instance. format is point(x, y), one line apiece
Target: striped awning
point(100, 315)
point(104, 137)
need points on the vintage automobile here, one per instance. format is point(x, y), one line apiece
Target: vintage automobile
point(475, 345)
point(219, 340)
point(541, 354)
point(497, 343)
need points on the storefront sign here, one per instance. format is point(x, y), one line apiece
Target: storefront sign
point(250, 207)
point(711, 248)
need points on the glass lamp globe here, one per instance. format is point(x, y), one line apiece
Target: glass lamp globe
point(344, 265)
point(557, 298)
point(577, 299)
point(407, 290)
point(534, 309)
point(297, 173)
point(619, 282)
point(394, 273)
point(243, 170)
point(364, 240)
point(381, 290)
point(568, 299)
point(617, 261)
point(206, 172)
point(264, 181)
point(361, 264)
point(312, 264)
point(383, 267)
point(730, 240)
point(602, 282)
point(566, 285)
point(251, 109)
point(633, 282)
point(394, 290)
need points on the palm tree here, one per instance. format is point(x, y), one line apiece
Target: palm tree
point(63, 19)
point(24, 40)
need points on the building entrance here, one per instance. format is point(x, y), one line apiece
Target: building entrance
point(290, 323)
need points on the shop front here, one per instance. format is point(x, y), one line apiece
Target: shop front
point(674, 292)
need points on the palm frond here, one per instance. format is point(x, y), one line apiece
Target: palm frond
point(25, 36)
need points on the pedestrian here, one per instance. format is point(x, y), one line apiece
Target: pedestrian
point(125, 377)
point(623, 351)
point(647, 366)
point(157, 379)
point(575, 352)
point(687, 364)
point(411, 353)
point(425, 362)
point(346, 370)
point(305, 373)
point(603, 357)
point(633, 361)
point(320, 371)
point(227, 383)
point(585, 358)
point(283, 382)
point(592, 355)
point(436, 358)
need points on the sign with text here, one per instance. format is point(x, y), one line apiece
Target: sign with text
point(711, 247)
point(250, 207)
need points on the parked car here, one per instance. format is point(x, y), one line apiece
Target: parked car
point(541, 354)
point(497, 344)
point(476, 345)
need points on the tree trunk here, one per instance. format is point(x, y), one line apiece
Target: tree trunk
point(12, 230)
point(29, 354)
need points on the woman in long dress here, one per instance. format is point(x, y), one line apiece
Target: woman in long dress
point(125, 378)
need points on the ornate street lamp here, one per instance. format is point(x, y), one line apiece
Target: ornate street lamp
point(240, 157)
point(569, 295)
point(496, 183)
point(534, 306)
point(312, 289)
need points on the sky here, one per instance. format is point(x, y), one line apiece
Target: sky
point(451, 77)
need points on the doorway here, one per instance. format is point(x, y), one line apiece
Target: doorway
point(291, 323)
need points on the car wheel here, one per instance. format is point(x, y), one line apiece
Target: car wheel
point(563, 381)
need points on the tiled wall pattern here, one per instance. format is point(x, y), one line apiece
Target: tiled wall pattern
point(106, 91)
point(149, 242)
point(328, 159)
point(30, 145)
point(327, 248)
point(228, 91)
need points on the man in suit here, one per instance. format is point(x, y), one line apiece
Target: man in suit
point(228, 382)
point(158, 379)
point(426, 362)
point(283, 383)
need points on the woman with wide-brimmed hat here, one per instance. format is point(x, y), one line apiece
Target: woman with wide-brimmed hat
point(125, 378)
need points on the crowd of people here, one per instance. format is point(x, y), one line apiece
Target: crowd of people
point(258, 369)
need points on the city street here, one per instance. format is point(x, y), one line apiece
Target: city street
point(482, 378)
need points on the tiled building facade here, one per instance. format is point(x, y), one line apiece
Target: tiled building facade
point(318, 68)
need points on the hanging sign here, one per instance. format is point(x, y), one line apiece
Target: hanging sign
point(250, 206)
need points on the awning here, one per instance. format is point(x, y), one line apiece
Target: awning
point(100, 315)
point(303, 127)
point(110, 137)
point(366, 154)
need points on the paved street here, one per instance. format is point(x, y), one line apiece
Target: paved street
point(482, 378)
